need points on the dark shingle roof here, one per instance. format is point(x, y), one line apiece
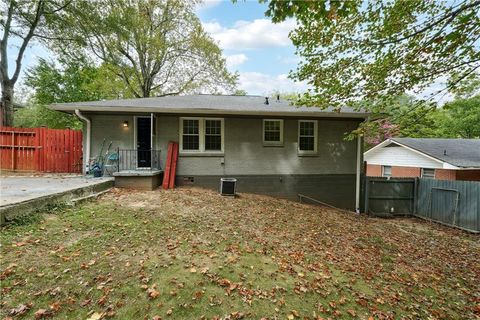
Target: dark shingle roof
point(464, 153)
point(204, 103)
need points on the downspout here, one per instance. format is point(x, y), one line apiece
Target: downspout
point(87, 143)
point(357, 174)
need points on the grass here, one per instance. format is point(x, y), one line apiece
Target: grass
point(191, 254)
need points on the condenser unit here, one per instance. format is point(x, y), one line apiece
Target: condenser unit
point(228, 186)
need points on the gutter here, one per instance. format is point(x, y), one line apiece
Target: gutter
point(87, 144)
point(357, 173)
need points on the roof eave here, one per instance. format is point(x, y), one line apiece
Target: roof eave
point(70, 108)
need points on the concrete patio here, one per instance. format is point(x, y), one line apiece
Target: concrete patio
point(21, 195)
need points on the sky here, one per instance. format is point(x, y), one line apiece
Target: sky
point(253, 46)
point(259, 50)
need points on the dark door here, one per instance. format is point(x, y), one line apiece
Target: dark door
point(144, 140)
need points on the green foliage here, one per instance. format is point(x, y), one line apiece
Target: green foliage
point(375, 50)
point(156, 48)
point(38, 115)
point(460, 118)
point(71, 82)
point(468, 87)
point(23, 21)
point(240, 92)
point(402, 116)
point(407, 117)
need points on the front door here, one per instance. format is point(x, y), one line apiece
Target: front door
point(144, 142)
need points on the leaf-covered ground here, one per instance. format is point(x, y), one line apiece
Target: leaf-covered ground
point(192, 254)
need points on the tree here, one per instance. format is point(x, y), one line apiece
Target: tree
point(24, 20)
point(240, 92)
point(460, 118)
point(68, 81)
point(354, 50)
point(403, 116)
point(157, 48)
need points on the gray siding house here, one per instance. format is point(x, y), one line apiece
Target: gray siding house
point(275, 148)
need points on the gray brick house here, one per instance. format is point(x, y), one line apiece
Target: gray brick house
point(275, 148)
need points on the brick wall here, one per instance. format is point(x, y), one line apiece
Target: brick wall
point(472, 175)
point(406, 172)
point(374, 170)
point(444, 174)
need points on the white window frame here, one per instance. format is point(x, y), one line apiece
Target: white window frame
point(422, 173)
point(273, 143)
point(315, 137)
point(383, 171)
point(201, 133)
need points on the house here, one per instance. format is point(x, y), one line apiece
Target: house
point(443, 159)
point(270, 146)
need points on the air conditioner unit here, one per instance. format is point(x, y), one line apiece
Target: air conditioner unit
point(228, 186)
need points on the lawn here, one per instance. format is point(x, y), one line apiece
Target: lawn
point(192, 254)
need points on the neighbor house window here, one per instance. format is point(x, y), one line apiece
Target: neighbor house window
point(307, 136)
point(386, 171)
point(272, 132)
point(428, 173)
point(201, 135)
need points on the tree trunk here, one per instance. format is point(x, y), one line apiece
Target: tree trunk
point(6, 104)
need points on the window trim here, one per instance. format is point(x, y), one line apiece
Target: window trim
point(383, 172)
point(422, 173)
point(315, 138)
point(272, 143)
point(201, 133)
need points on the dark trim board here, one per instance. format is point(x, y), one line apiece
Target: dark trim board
point(335, 189)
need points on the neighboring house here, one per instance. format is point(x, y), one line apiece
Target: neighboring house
point(271, 147)
point(443, 159)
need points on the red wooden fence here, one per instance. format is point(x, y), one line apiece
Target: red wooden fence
point(41, 149)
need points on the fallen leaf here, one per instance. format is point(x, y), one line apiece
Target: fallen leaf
point(42, 313)
point(95, 316)
point(55, 306)
point(152, 293)
point(85, 302)
point(20, 309)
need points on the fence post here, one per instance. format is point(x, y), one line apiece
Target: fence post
point(367, 190)
point(415, 196)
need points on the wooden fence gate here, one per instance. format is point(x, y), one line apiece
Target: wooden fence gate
point(41, 150)
point(454, 203)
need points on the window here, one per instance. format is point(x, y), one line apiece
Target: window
point(213, 135)
point(386, 171)
point(428, 173)
point(191, 134)
point(201, 135)
point(272, 132)
point(307, 136)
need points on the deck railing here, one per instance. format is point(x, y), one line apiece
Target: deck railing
point(138, 160)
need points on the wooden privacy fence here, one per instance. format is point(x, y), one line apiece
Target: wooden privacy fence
point(454, 203)
point(41, 150)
